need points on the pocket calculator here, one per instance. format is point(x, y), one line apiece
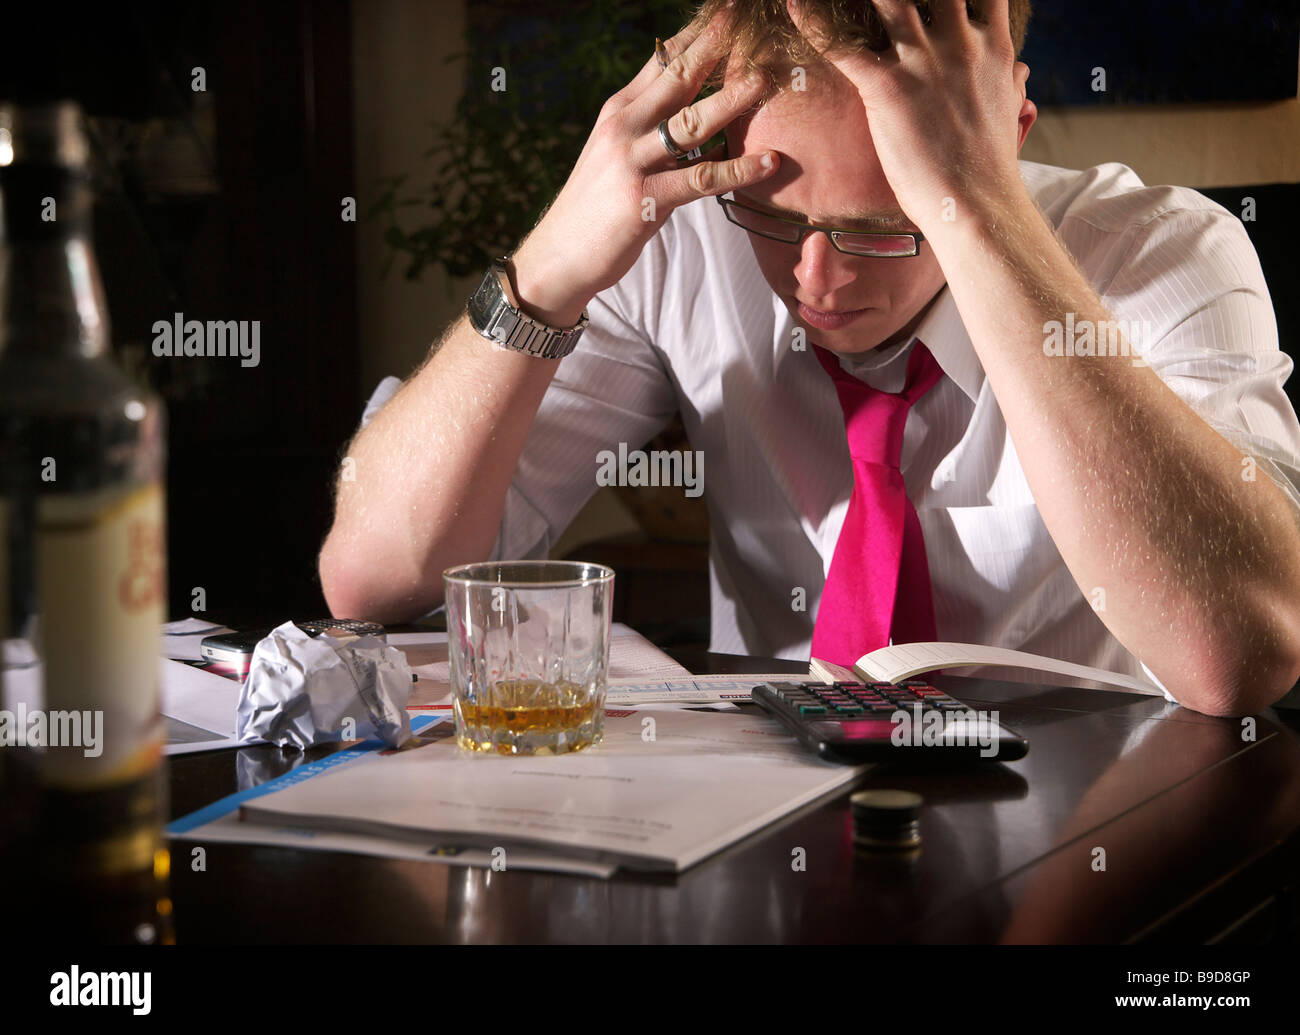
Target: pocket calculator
point(855, 723)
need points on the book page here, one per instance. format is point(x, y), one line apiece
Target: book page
point(904, 660)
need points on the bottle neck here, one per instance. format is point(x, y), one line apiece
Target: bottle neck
point(51, 295)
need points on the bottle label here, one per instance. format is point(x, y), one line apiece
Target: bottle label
point(101, 586)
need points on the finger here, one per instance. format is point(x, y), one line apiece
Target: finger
point(902, 20)
point(811, 26)
point(697, 123)
point(852, 64)
point(675, 45)
point(688, 34)
point(707, 177)
point(681, 80)
point(947, 17)
point(997, 15)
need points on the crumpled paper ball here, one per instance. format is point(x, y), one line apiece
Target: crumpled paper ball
point(302, 690)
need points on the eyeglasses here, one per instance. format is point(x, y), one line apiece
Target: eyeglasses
point(793, 231)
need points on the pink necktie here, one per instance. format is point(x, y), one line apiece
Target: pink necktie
point(878, 586)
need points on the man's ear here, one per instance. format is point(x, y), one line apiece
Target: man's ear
point(1028, 109)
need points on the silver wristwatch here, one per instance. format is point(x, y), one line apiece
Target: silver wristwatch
point(494, 313)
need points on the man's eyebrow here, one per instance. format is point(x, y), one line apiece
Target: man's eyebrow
point(852, 220)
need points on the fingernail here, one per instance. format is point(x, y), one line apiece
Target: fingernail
point(766, 163)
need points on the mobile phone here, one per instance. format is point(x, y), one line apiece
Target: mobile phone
point(233, 651)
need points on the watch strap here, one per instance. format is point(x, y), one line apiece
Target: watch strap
point(495, 314)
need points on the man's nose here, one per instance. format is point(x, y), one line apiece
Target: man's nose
point(822, 269)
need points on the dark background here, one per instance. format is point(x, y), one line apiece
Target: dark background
point(1227, 50)
point(241, 224)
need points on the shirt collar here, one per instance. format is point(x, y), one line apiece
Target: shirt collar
point(944, 334)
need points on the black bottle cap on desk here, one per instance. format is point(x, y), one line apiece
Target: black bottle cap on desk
point(886, 818)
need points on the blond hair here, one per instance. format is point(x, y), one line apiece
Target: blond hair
point(764, 37)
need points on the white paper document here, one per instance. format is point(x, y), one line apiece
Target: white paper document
point(664, 790)
point(201, 702)
point(220, 821)
point(229, 828)
point(631, 693)
point(199, 698)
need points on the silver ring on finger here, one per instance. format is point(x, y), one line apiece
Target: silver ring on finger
point(670, 145)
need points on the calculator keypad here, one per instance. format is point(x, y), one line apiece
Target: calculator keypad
point(854, 700)
point(861, 722)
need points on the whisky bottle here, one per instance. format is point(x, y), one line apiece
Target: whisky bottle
point(81, 557)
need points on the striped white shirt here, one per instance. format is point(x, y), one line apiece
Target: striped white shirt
point(695, 328)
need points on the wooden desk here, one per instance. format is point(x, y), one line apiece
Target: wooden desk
point(1200, 831)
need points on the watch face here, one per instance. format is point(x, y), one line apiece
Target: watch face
point(483, 303)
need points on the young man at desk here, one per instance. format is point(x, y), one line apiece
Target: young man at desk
point(948, 394)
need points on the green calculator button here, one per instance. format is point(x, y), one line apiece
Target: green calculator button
point(812, 709)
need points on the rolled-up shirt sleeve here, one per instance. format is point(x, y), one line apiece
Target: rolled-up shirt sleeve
point(1194, 284)
point(613, 388)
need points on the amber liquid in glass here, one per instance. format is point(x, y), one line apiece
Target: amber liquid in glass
point(529, 717)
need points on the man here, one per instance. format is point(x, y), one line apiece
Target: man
point(1132, 511)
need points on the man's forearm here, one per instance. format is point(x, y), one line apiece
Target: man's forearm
point(1194, 568)
point(425, 482)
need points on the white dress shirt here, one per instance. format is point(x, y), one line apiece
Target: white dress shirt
point(694, 327)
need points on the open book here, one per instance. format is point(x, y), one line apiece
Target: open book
point(905, 660)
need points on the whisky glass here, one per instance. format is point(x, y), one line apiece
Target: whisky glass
point(529, 650)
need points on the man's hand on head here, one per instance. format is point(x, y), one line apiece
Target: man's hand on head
point(946, 104)
point(626, 182)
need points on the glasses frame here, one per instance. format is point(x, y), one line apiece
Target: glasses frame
point(806, 228)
